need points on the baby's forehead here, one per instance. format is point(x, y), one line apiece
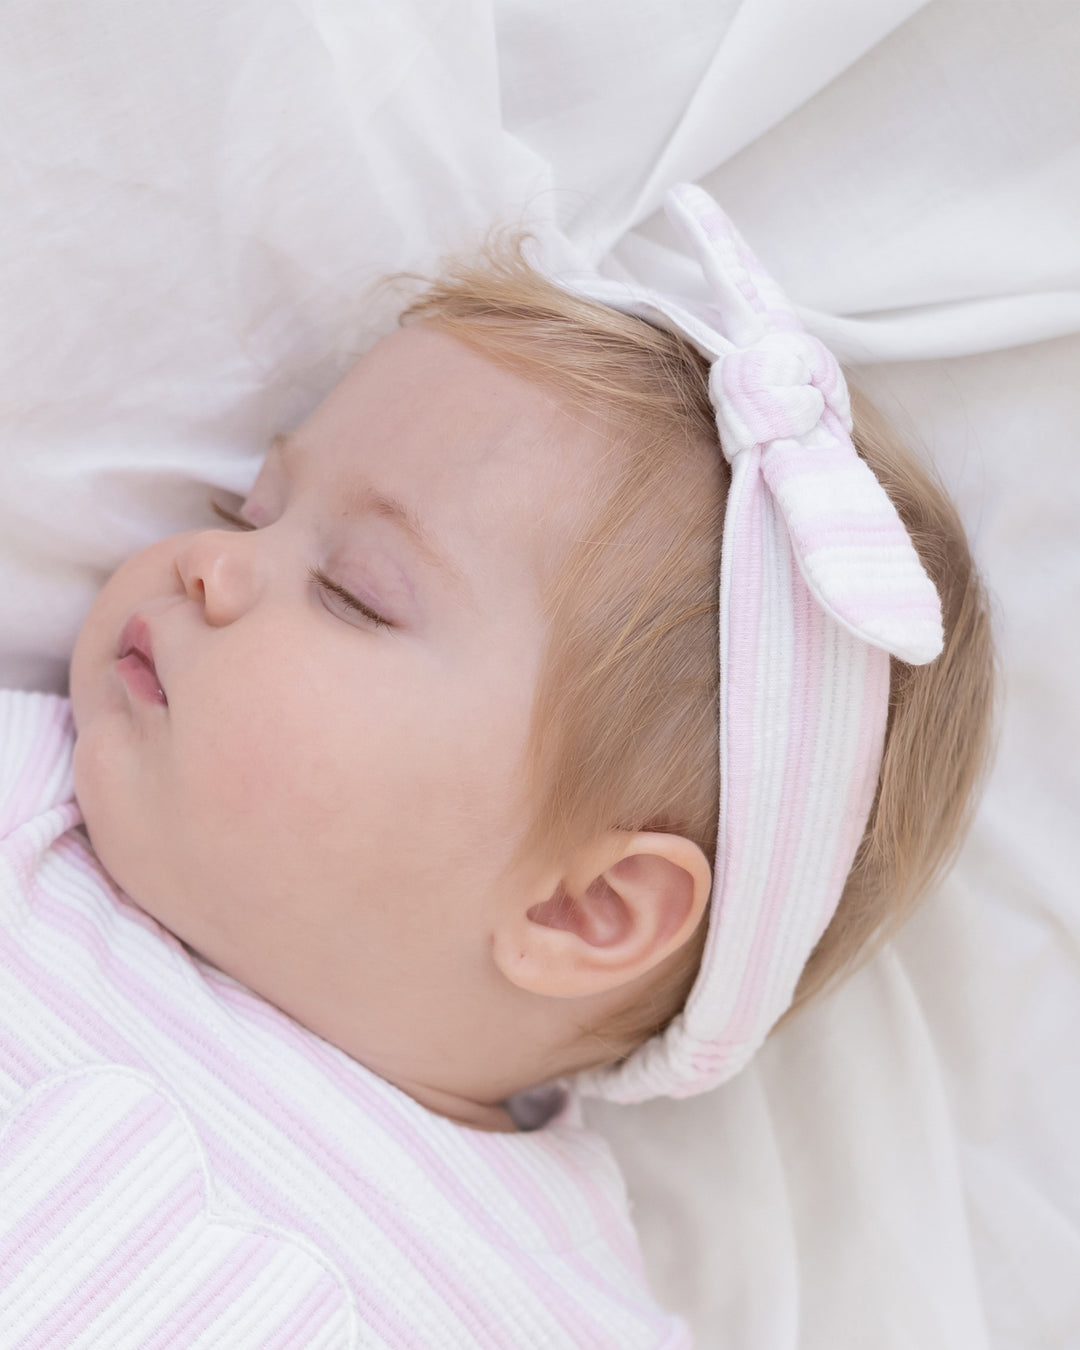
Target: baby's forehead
point(437, 399)
point(489, 460)
point(469, 378)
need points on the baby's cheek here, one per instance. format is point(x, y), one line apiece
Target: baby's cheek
point(260, 799)
point(466, 794)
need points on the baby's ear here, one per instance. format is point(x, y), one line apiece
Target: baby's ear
point(617, 909)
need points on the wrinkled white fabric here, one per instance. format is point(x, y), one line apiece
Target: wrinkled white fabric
point(194, 200)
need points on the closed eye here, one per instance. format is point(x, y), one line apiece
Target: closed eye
point(317, 575)
point(346, 597)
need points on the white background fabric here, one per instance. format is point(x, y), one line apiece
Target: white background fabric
point(194, 202)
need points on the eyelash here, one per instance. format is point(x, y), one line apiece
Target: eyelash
point(315, 573)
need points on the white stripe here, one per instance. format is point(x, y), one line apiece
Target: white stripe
point(834, 485)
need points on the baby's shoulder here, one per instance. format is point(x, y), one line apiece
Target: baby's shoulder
point(37, 735)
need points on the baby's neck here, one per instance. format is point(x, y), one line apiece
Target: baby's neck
point(476, 1115)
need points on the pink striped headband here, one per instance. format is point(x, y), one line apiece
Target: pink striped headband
point(819, 584)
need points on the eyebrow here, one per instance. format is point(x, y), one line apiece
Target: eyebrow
point(366, 499)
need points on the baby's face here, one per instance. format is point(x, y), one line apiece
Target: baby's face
point(325, 806)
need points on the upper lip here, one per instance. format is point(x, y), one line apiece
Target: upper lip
point(135, 637)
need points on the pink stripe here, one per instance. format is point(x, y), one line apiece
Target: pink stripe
point(738, 682)
point(912, 607)
point(60, 1205)
point(803, 722)
point(528, 1195)
point(16, 1062)
point(612, 1218)
point(532, 1198)
point(42, 987)
point(790, 460)
point(618, 1234)
point(858, 529)
point(308, 1317)
point(111, 1278)
point(24, 847)
point(228, 1282)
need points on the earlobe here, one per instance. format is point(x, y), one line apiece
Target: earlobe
point(619, 909)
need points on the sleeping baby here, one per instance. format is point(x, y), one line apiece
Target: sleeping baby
point(409, 801)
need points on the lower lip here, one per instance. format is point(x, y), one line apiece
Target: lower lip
point(140, 679)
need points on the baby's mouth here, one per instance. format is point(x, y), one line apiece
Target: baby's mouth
point(136, 661)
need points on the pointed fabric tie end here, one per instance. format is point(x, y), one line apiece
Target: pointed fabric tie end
point(852, 548)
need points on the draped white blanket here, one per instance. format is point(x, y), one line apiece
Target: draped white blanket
point(194, 200)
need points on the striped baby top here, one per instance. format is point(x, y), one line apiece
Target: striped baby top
point(183, 1165)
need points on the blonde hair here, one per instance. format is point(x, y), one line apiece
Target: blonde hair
point(624, 730)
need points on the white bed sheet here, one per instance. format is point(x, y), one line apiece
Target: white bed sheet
point(194, 201)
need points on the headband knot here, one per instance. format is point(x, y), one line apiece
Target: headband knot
point(778, 388)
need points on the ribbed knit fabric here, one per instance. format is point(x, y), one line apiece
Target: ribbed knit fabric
point(183, 1165)
point(820, 584)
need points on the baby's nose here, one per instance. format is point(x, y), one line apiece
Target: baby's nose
point(217, 569)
